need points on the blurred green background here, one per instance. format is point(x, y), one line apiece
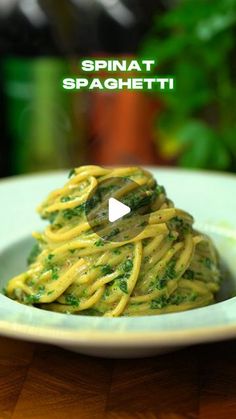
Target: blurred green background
point(46, 128)
point(195, 41)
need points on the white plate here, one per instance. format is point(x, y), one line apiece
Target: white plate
point(209, 197)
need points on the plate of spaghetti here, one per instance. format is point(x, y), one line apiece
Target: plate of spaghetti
point(160, 277)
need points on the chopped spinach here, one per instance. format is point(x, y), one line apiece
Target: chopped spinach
point(92, 202)
point(92, 312)
point(68, 214)
point(180, 224)
point(123, 286)
point(33, 254)
point(106, 269)
point(99, 243)
point(127, 265)
point(55, 274)
point(159, 303)
point(171, 236)
point(51, 216)
point(170, 272)
point(66, 199)
point(160, 190)
point(31, 283)
point(116, 252)
point(161, 283)
point(72, 300)
point(57, 226)
point(138, 200)
point(32, 299)
point(113, 233)
point(176, 299)
point(72, 172)
point(72, 251)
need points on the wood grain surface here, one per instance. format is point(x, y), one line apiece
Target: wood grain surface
point(40, 381)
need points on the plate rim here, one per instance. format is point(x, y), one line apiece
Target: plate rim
point(118, 338)
point(121, 338)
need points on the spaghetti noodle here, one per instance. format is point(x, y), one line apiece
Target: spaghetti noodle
point(167, 267)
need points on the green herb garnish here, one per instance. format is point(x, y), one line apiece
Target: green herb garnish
point(51, 216)
point(116, 252)
point(179, 224)
point(171, 236)
point(65, 199)
point(68, 214)
point(92, 202)
point(138, 200)
point(113, 233)
point(161, 283)
point(159, 303)
point(170, 272)
point(127, 265)
point(72, 251)
point(32, 299)
point(160, 190)
point(72, 300)
point(33, 254)
point(106, 269)
point(72, 172)
point(123, 286)
point(55, 274)
point(99, 243)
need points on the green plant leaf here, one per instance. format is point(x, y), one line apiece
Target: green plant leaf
point(202, 148)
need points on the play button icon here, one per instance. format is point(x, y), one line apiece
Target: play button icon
point(116, 209)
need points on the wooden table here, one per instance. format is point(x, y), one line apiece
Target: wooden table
point(40, 381)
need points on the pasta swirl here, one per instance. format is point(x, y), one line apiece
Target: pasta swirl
point(167, 267)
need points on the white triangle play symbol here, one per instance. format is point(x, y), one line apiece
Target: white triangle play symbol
point(116, 209)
